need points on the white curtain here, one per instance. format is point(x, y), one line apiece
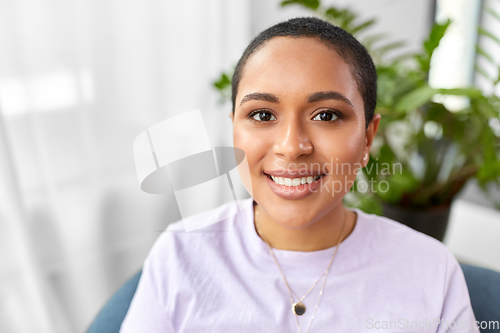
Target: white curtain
point(79, 80)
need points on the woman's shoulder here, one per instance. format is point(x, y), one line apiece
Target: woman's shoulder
point(210, 219)
point(390, 236)
point(199, 230)
point(392, 249)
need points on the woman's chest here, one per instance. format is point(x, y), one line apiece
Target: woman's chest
point(248, 300)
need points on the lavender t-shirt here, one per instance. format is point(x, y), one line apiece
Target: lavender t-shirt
point(385, 277)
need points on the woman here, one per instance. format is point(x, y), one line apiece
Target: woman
point(304, 94)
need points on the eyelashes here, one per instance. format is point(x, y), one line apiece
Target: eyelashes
point(325, 115)
point(264, 116)
point(328, 116)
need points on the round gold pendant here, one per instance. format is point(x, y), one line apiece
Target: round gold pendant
point(299, 308)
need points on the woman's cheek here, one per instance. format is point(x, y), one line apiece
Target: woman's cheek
point(253, 144)
point(344, 160)
point(250, 169)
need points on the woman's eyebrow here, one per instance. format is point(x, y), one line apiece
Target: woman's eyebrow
point(325, 95)
point(260, 97)
point(316, 97)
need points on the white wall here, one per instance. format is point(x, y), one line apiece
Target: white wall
point(473, 233)
point(407, 20)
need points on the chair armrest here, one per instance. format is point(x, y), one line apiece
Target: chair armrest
point(112, 314)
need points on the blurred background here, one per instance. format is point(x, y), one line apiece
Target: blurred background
point(79, 80)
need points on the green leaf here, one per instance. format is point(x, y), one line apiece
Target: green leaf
point(372, 39)
point(399, 184)
point(482, 72)
point(344, 18)
point(415, 98)
point(488, 34)
point(388, 47)
point(437, 33)
point(484, 107)
point(363, 26)
point(430, 45)
point(498, 78)
point(489, 169)
point(223, 82)
point(348, 18)
point(424, 61)
point(485, 54)
point(368, 204)
point(403, 57)
point(311, 4)
point(493, 13)
point(470, 92)
point(334, 12)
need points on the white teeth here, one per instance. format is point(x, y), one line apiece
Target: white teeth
point(294, 181)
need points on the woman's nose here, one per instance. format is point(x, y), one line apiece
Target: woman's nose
point(292, 140)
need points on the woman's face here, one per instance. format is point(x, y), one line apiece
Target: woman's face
point(298, 116)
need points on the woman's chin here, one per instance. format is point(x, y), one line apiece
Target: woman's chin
point(292, 220)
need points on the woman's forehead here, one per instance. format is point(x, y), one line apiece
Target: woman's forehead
point(297, 66)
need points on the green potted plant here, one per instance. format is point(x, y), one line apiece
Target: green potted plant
point(423, 154)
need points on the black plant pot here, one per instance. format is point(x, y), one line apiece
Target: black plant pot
point(431, 221)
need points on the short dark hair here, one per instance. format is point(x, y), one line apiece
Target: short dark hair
point(348, 48)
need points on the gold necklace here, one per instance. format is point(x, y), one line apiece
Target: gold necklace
point(299, 307)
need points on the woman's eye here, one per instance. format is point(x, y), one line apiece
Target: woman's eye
point(263, 116)
point(326, 116)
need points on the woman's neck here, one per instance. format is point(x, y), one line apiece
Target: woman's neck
point(320, 235)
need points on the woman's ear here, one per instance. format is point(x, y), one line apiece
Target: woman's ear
point(231, 116)
point(370, 135)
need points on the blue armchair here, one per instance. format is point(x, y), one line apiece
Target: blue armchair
point(484, 291)
point(483, 284)
point(112, 314)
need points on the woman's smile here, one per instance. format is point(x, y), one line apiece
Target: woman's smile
point(294, 188)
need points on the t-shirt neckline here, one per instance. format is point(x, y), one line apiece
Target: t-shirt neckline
point(301, 258)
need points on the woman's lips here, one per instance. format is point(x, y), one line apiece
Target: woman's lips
point(294, 192)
